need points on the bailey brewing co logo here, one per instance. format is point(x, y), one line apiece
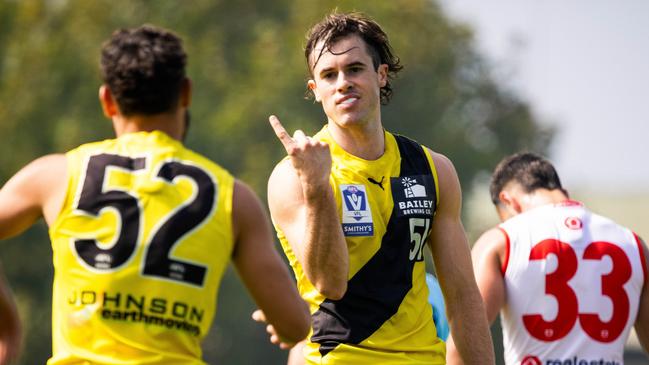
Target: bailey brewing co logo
point(414, 195)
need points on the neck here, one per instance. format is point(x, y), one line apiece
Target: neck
point(541, 197)
point(171, 123)
point(366, 141)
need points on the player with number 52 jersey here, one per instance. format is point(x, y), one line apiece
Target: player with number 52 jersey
point(130, 244)
point(569, 283)
point(142, 228)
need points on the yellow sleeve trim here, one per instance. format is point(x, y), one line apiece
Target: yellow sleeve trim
point(434, 170)
point(72, 177)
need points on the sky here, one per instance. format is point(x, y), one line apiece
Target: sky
point(583, 66)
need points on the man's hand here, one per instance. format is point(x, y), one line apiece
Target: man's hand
point(310, 158)
point(275, 338)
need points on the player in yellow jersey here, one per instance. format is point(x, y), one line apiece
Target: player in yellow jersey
point(142, 228)
point(354, 207)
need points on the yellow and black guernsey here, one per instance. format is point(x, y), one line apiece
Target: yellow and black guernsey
point(386, 208)
point(140, 245)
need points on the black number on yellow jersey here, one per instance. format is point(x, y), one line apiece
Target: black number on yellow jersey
point(94, 199)
point(157, 263)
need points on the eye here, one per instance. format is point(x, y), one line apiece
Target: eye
point(355, 69)
point(328, 75)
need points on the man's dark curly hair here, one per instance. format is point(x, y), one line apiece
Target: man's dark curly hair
point(338, 25)
point(144, 69)
point(527, 169)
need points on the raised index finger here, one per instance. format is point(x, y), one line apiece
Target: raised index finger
point(280, 132)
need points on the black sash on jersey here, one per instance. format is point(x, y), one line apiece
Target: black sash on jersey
point(376, 291)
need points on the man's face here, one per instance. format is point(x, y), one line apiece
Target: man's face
point(346, 82)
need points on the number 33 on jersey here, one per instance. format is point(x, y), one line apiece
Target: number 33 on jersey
point(573, 280)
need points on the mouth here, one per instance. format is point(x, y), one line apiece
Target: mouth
point(347, 100)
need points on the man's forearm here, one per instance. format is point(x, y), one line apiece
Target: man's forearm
point(326, 259)
point(470, 332)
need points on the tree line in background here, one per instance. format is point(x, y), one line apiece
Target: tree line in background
point(246, 62)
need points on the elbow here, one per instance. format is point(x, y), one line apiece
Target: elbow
point(299, 327)
point(305, 325)
point(331, 282)
point(302, 330)
point(333, 291)
point(295, 337)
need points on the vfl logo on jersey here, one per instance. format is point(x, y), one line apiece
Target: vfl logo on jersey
point(414, 195)
point(357, 215)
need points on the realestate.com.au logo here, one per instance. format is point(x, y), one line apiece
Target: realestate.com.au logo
point(533, 360)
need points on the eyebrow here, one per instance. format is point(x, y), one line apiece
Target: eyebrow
point(351, 64)
point(327, 48)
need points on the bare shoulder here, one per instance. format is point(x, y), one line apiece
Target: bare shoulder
point(283, 174)
point(51, 175)
point(450, 192)
point(42, 179)
point(54, 164)
point(284, 188)
point(246, 208)
point(492, 242)
point(38, 189)
point(446, 172)
point(243, 196)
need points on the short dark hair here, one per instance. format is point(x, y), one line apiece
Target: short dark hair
point(339, 25)
point(529, 170)
point(144, 69)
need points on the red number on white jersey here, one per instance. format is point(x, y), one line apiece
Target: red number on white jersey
point(556, 284)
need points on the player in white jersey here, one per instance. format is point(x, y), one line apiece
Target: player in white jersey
point(569, 283)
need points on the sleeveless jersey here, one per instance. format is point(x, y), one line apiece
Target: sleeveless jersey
point(386, 207)
point(573, 281)
point(140, 245)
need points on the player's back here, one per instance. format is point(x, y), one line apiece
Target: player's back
point(573, 281)
point(140, 246)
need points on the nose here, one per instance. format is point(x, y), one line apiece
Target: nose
point(343, 83)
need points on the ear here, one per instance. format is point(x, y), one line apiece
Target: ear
point(509, 201)
point(383, 74)
point(186, 93)
point(107, 102)
point(312, 86)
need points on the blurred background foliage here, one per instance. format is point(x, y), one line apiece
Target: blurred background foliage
point(246, 62)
